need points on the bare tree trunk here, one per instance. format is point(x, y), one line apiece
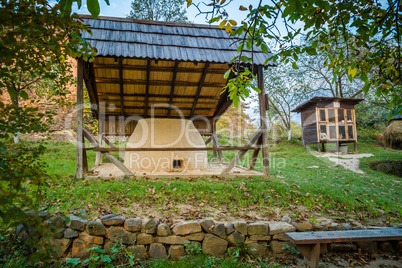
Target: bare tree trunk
point(289, 134)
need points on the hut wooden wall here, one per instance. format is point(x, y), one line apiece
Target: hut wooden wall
point(309, 125)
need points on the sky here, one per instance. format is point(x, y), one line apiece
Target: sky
point(121, 8)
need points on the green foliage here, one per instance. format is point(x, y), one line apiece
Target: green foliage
point(158, 10)
point(192, 248)
point(291, 250)
point(361, 38)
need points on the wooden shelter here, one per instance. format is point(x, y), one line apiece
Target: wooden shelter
point(328, 120)
point(146, 69)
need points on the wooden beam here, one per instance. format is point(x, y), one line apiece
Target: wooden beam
point(147, 87)
point(88, 79)
point(208, 140)
point(121, 154)
point(101, 130)
point(80, 125)
point(232, 164)
point(155, 83)
point(162, 96)
point(176, 65)
point(121, 85)
point(107, 154)
point(163, 108)
point(170, 149)
point(263, 120)
point(200, 85)
point(254, 157)
point(160, 69)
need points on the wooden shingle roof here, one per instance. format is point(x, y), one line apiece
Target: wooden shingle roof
point(159, 69)
point(120, 37)
point(316, 100)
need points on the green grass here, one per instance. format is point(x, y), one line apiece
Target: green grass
point(295, 189)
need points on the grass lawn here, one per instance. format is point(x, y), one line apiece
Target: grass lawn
point(294, 189)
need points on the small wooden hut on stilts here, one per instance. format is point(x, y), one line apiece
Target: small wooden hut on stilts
point(160, 70)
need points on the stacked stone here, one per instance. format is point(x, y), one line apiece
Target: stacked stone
point(149, 238)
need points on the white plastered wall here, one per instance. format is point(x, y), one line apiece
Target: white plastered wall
point(165, 133)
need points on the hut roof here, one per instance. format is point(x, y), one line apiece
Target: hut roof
point(147, 65)
point(316, 100)
point(123, 37)
point(397, 117)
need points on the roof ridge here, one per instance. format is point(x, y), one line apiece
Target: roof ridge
point(151, 22)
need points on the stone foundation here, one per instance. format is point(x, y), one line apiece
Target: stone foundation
point(149, 238)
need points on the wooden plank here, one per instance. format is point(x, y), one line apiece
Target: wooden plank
point(101, 130)
point(255, 155)
point(107, 154)
point(147, 84)
point(88, 79)
point(200, 85)
point(236, 159)
point(215, 142)
point(121, 154)
point(156, 83)
point(208, 140)
point(163, 96)
point(190, 149)
point(215, 138)
point(159, 69)
point(176, 65)
point(383, 234)
point(121, 85)
point(80, 113)
point(263, 121)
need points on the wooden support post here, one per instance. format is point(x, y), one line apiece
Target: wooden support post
point(80, 109)
point(255, 154)
point(176, 66)
point(263, 121)
point(214, 140)
point(355, 146)
point(319, 146)
point(208, 140)
point(147, 88)
point(323, 146)
point(121, 80)
point(111, 145)
point(85, 166)
point(101, 130)
point(108, 155)
point(232, 164)
point(200, 85)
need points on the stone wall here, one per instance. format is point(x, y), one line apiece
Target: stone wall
point(149, 238)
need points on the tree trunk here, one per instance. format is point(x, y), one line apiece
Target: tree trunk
point(17, 135)
point(289, 134)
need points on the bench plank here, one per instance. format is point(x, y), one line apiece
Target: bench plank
point(383, 234)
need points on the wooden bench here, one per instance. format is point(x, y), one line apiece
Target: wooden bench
point(309, 243)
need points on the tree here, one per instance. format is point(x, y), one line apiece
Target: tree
point(36, 38)
point(158, 10)
point(370, 32)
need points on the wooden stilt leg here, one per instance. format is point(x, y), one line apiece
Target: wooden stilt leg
point(319, 147)
point(214, 140)
point(254, 157)
point(263, 121)
point(80, 126)
point(101, 130)
point(232, 164)
point(355, 146)
point(323, 146)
